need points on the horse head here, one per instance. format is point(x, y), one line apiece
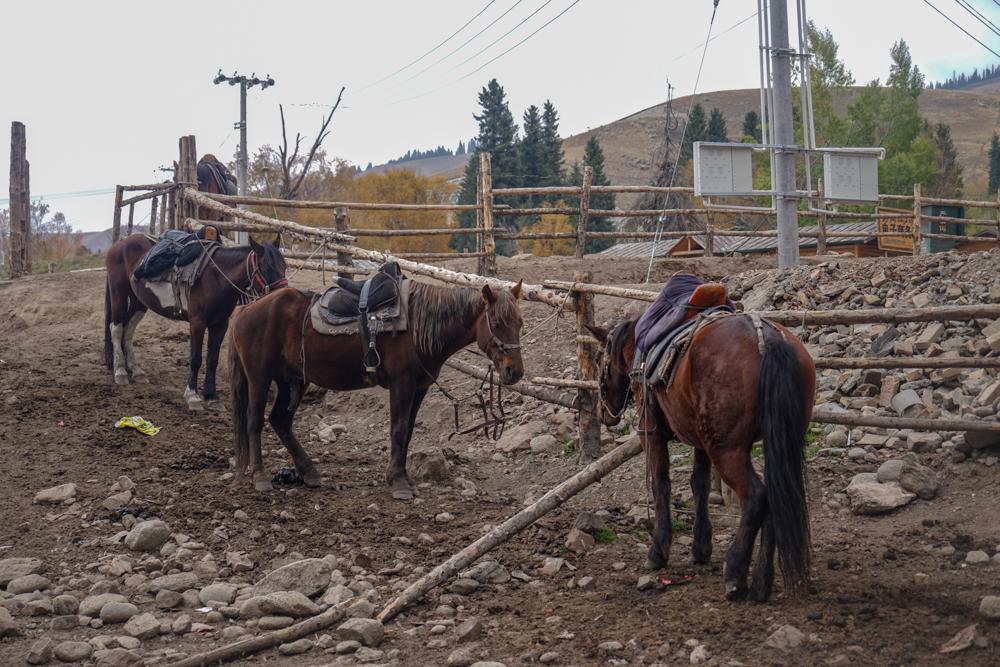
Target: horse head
point(614, 388)
point(498, 332)
point(266, 266)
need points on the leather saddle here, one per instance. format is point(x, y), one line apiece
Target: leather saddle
point(658, 363)
point(369, 303)
point(175, 248)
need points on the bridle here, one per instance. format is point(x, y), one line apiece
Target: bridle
point(605, 373)
point(499, 344)
point(258, 286)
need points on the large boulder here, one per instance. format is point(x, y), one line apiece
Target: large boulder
point(918, 479)
point(309, 577)
point(869, 496)
point(147, 535)
point(519, 438)
point(279, 603)
point(12, 568)
point(368, 631)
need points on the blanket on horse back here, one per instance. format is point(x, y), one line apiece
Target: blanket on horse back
point(368, 307)
point(176, 260)
point(663, 330)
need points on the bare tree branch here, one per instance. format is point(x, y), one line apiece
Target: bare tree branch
point(320, 136)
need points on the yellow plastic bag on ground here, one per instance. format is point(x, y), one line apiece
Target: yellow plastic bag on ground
point(140, 424)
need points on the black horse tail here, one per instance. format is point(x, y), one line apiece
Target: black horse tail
point(238, 387)
point(782, 412)
point(109, 352)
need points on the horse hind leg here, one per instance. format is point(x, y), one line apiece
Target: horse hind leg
point(762, 581)
point(701, 550)
point(656, 436)
point(120, 365)
point(128, 343)
point(281, 418)
point(737, 471)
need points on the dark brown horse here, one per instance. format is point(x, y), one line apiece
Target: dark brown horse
point(213, 178)
point(231, 274)
point(272, 343)
point(729, 390)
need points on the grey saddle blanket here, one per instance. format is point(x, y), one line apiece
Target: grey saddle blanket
point(657, 366)
point(389, 319)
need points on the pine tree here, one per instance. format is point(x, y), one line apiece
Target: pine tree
point(948, 182)
point(593, 157)
point(553, 155)
point(696, 130)
point(716, 130)
point(532, 153)
point(751, 126)
point(461, 148)
point(467, 195)
point(994, 155)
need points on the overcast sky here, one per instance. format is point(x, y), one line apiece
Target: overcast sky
point(106, 88)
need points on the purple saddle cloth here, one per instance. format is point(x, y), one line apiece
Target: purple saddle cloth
point(667, 312)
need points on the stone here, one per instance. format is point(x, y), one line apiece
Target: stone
point(130, 643)
point(469, 631)
point(168, 599)
point(989, 607)
point(889, 471)
point(297, 647)
point(932, 333)
point(586, 583)
point(40, 652)
point(699, 655)
point(56, 495)
point(836, 439)
point(71, 622)
point(239, 561)
point(444, 517)
point(178, 583)
point(918, 479)
point(63, 605)
point(336, 594)
point(345, 647)
point(114, 613)
point(544, 444)
point(365, 630)
point(551, 566)
point(578, 540)
point(268, 623)
point(868, 496)
point(961, 641)
point(519, 438)
point(786, 638)
point(367, 656)
point(461, 657)
point(118, 657)
point(12, 568)
point(857, 453)
point(610, 648)
point(181, 625)
point(981, 439)
point(147, 535)
point(977, 557)
point(361, 609)
point(224, 593)
point(921, 443)
point(113, 502)
point(310, 577)
point(8, 628)
point(143, 626)
point(463, 586)
point(548, 658)
point(281, 603)
point(72, 651)
point(428, 466)
point(487, 663)
point(92, 605)
point(29, 583)
point(921, 300)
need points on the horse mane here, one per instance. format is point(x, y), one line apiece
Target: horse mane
point(434, 309)
point(619, 338)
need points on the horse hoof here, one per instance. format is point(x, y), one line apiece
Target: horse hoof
point(140, 378)
point(214, 404)
point(263, 485)
point(311, 479)
point(401, 490)
point(121, 378)
point(736, 592)
point(195, 404)
point(652, 564)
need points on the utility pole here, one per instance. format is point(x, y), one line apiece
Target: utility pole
point(241, 160)
point(783, 135)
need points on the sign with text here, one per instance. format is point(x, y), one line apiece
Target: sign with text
point(903, 225)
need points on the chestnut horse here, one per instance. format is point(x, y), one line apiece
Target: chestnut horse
point(272, 342)
point(729, 390)
point(231, 274)
point(213, 178)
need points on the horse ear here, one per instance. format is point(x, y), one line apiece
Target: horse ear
point(516, 289)
point(488, 295)
point(256, 246)
point(600, 333)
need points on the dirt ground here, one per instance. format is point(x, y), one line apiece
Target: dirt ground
point(58, 405)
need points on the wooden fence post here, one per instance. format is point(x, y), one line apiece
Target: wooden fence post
point(918, 234)
point(709, 234)
point(589, 423)
point(152, 215)
point(340, 222)
point(821, 239)
point(162, 226)
point(131, 218)
point(171, 211)
point(581, 225)
point(116, 221)
point(20, 203)
point(489, 263)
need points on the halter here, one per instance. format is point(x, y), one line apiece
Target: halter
point(502, 346)
point(602, 382)
point(256, 279)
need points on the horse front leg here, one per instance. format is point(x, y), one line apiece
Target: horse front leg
point(701, 550)
point(404, 403)
point(128, 346)
point(194, 402)
point(118, 353)
point(216, 334)
point(656, 437)
point(281, 419)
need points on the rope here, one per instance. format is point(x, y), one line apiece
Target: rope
point(322, 247)
point(673, 172)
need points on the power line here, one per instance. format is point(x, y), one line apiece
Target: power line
point(67, 195)
point(465, 43)
point(465, 76)
point(488, 46)
point(442, 43)
point(951, 21)
point(729, 29)
point(979, 17)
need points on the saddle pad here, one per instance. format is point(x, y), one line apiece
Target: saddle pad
point(391, 320)
point(658, 365)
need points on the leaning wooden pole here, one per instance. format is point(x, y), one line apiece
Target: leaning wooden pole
point(116, 221)
point(489, 240)
point(340, 224)
point(512, 526)
point(918, 232)
point(588, 423)
point(20, 209)
point(581, 225)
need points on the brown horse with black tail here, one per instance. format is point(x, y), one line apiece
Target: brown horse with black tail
point(736, 384)
point(230, 275)
point(272, 342)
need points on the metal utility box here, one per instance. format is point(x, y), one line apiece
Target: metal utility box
point(850, 176)
point(722, 169)
point(935, 227)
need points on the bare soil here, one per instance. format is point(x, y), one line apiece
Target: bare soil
point(58, 405)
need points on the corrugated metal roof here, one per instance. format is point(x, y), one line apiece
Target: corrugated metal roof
point(746, 244)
